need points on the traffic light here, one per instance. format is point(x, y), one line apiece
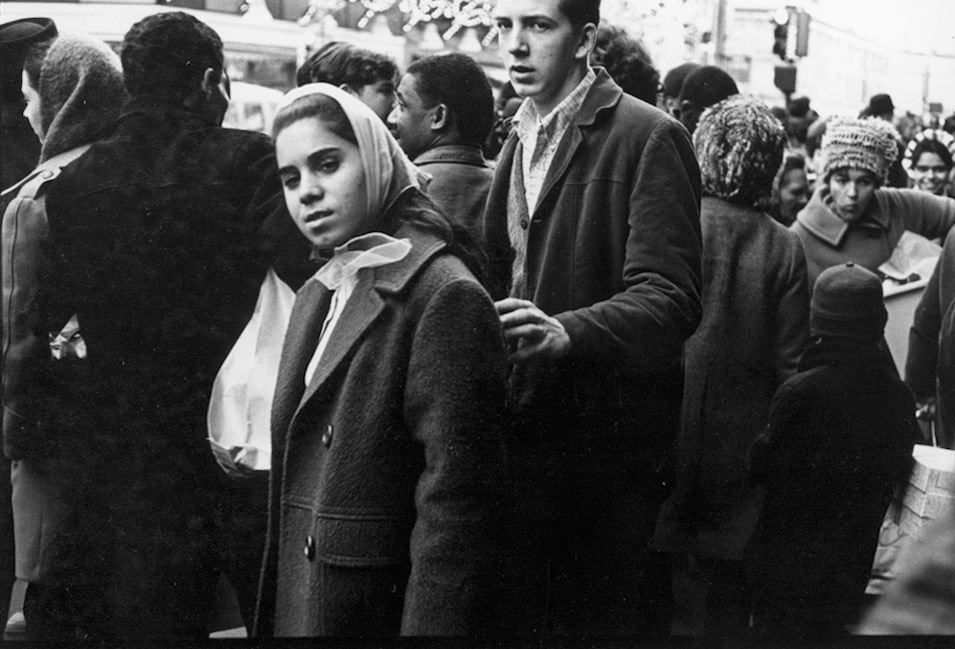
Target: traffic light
point(781, 33)
point(780, 39)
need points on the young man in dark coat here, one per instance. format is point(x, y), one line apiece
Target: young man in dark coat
point(159, 241)
point(593, 234)
point(838, 444)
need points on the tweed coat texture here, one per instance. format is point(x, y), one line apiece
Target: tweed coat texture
point(755, 326)
point(387, 468)
point(838, 444)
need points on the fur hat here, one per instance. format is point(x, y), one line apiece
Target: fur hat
point(868, 143)
point(847, 303)
point(81, 93)
point(739, 144)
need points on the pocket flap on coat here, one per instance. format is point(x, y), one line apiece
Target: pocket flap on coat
point(362, 541)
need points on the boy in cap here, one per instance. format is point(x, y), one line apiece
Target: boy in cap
point(839, 442)
point(851, 216)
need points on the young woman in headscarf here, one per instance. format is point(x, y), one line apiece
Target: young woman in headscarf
point(74, 90)
point(386, 422)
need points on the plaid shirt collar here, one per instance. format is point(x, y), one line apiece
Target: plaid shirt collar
point(527, 121)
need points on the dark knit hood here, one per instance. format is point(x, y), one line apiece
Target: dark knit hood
point(81, 93)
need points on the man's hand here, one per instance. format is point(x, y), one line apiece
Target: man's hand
point(536, 334)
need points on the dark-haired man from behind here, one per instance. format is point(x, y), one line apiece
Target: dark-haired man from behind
point(159, 240)
point(701, 89)
point(593, 238)
point(444, 113)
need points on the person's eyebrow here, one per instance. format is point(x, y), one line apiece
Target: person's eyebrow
point(312, 158)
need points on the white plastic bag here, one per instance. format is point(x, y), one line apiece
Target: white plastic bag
point(241, 402)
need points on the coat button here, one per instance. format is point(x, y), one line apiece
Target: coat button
point(327, 436)
point(309, 547)
point(524, 224)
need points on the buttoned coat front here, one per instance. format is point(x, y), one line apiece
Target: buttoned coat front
point(387, 466)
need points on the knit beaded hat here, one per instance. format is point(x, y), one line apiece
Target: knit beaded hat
point(847, 303)
point(867, 143)
point(739, 144)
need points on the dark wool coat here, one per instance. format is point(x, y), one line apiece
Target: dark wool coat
point(931, 327)
point(839, 443)
point(387, 468)
point(159, 241)
point(755, 326)
point(613, 252)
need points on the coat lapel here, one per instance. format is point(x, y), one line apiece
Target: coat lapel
point(305, 324)
point(562, 157)
point(362, 309)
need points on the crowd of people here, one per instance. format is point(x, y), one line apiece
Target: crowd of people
point(600, 356)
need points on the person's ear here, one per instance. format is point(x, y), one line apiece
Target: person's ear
point(440, 118)
point(588, 40)
point(210, 83)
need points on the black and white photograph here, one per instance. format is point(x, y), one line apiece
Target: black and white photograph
point(491, 323)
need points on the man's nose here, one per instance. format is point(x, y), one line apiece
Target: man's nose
point(515, 43)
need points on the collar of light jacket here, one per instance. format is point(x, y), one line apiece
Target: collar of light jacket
point(821, 221)
point(457, 153)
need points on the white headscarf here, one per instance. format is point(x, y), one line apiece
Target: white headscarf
point(388, 171)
